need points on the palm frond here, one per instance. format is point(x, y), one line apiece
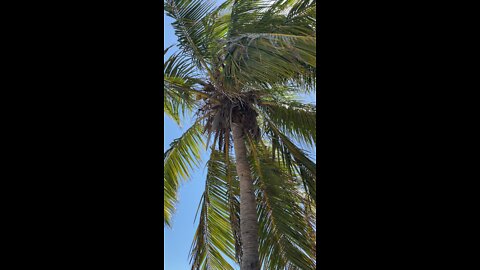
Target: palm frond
point(283, 225)
point(303, 11)
point(296, 120)
point(293, 158)
point(177, 66)
point(214, 239)
point(272, 58)
point(271, 43)
point(244, 15)
point(191, 27)
point(182, 156)
point(233, 199)
point(169, 200)
point(178, 87)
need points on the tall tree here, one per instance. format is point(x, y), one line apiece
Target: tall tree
point(239, 69)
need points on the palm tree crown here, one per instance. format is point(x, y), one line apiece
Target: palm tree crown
point(238, 70)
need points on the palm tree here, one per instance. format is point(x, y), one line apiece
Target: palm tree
point(238, 70)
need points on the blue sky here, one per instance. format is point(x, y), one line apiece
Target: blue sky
point(178, 239)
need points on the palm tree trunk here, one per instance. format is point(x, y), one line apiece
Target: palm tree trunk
point(248, 205)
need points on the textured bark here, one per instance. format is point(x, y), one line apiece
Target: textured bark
point(248, 205)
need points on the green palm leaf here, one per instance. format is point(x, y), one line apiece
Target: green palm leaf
point(272, 58)
point(179, 86)
point(190, 27)
point(282, 220)
point(214, 238)
point(182, 156)
point(293, 158)
point(265, 46)
point(295, 119)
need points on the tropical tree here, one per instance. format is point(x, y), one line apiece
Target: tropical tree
point(238, 71)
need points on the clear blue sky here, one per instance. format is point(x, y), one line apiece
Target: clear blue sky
point(178, 239)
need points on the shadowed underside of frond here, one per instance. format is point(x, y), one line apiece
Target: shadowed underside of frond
point(294, 119)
